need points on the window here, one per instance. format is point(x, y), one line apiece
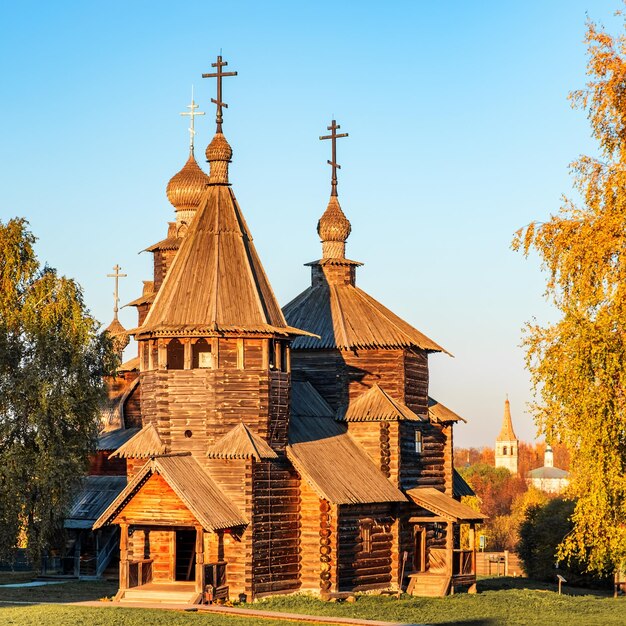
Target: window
point(365, 534)
point(505, 450)
point(201, 353)
point(418, 442)
point(175, 355)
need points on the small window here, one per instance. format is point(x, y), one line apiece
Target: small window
point(175, 355)
point(188, 434)
point(505, 450)
point(272, 354)
point(418, 442)
point(365, 533)
point(202, 354)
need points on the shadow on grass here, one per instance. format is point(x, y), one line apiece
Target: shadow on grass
point(502, 583)
point(74, 591)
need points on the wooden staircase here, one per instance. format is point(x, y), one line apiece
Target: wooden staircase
point(160, 593)
point(432, 585)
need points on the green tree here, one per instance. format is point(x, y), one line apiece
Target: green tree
point(51, 365)
point(578, 364)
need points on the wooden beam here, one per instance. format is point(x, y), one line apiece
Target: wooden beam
point(187, 354)
point(426, 520)
point(240, 353)
point(199, 559)
point(123, 556)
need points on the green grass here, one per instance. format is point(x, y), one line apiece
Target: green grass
point(506, 601)
point(501, 601)
point(73, 591)
point(43, 615)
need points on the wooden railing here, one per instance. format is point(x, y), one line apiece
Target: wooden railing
point(437, 561)
point(463, 562)
point(139, 572)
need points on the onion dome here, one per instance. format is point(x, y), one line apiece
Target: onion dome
point(333, 229)
point(185, 189)
point(219, 154)
point(119, 336)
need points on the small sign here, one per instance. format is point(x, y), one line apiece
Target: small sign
point(482, 542)
point(204, 359)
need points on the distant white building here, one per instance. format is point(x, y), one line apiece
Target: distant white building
point(507, 444)
point(548, 478)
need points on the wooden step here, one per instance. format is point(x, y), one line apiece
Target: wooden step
point(429, 585)
point(166, 597)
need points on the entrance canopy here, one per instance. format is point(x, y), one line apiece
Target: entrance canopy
point(444, 506)
point(173, 488)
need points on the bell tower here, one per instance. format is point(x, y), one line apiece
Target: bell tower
point(507, 444)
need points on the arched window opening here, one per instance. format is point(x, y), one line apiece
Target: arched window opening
point(175, 355)
point(201, 353)
point(505, 450)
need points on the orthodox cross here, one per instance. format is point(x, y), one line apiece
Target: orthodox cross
point(333, 128)
point(192, 114)
point(219, 75)
point(117, 276)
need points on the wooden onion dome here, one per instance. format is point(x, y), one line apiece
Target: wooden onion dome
point(333, 229)
point(185, 190)
point(118, 335)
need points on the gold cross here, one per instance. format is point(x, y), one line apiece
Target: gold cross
point(333, 128)
point(192, 114)
point(219, 75)
point(117, 276)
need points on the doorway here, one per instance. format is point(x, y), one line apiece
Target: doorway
point(185, 555)
point(419, 549)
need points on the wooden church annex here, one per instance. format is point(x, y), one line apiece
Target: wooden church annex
point(279, 450)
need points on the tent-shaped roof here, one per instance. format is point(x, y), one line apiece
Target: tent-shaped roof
point(216, 282)
point(144, 444)
point(325, 455)
point(347, 318)
point(195, 488)
point(440, 504)
point(376, 405)
point(507, 433)
point(241, 443)
point(460, 487)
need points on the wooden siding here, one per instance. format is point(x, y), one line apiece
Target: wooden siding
point(156, 503)
point(310, 534)
point(416, 381)
point(158, 545)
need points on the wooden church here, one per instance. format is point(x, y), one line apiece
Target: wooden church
point(279, 450)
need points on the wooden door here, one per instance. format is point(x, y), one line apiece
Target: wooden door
point(419, 549)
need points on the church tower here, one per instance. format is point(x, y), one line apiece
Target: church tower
point(507, 444)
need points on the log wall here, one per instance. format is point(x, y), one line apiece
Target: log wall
point(310, 534)
point(158, 545)
point(362, 566)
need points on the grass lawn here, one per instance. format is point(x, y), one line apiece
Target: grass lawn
point(59, 615)
point(506, 601)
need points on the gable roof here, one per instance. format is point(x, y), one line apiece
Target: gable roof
point(216, 281)
point(189, 481)
point(376, 405)
point(460, 487)
point(325, 455)
point(144, 444)
point(241, 443)
point(441, 504)
point(441, 413)
point(347, 318)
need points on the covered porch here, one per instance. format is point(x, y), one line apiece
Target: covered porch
point(173, 520)
point(444, 544)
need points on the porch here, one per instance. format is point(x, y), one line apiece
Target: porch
point(439, 570)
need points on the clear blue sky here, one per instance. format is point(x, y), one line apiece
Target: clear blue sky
point(460, 133)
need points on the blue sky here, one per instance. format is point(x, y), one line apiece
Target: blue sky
point(460, 133)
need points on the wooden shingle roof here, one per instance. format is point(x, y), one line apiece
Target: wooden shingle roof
point(376, 405)
point(196, 489)
point(440, 413)
point(347, 318)
point(441, 504)
point(325, 455)
point(95, 495)
point(507, 433)
point(113, 439)
point(241, 443)
point(216, 282)
point(144, 444)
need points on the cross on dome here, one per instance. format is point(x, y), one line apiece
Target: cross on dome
point(333, 128)
point(219, 74)
point(192, 114)
point(116, 298)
